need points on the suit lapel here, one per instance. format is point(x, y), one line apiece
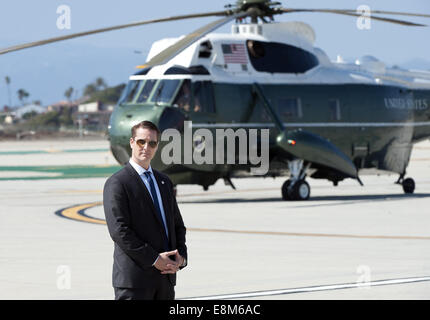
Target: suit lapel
point(143, 190)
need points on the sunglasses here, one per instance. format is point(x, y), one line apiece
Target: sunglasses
point(141, 143)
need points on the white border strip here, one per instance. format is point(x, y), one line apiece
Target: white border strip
point(311, 289)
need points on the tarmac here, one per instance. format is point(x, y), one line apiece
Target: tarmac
point(345, 242)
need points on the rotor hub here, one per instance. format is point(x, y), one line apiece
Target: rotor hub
point(257, 8)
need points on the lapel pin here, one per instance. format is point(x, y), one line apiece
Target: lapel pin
point(162, 182)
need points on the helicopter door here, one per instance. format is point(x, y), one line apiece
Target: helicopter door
point(203, 98)
point(196, 99)
point(203, 112)
point(183, 98)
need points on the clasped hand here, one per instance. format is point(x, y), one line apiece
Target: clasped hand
point(167, 265)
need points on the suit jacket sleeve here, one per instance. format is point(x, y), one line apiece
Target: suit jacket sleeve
point(117, 214)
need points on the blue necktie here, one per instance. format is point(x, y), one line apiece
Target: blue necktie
point(156, 203)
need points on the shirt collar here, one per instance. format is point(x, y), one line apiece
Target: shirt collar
point(140, 171)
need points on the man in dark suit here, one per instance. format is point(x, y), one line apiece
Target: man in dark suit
point(144, 222)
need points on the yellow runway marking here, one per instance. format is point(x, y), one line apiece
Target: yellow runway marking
point(78, 213)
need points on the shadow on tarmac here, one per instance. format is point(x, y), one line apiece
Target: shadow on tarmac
point(336, 200)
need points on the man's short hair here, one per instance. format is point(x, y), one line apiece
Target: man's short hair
point(145, 125)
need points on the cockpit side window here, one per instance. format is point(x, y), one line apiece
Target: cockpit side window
point(146, 90)
point(129, 92)
point(165, 91)
point(183, 98)
point(277, 57)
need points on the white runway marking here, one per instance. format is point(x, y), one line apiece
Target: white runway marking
point(310, 289)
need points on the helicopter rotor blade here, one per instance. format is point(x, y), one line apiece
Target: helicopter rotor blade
point(192, 37)
point(395, 13)
point(354, 13)
point(123, 26)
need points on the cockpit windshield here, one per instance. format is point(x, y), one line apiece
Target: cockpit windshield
point(165, 91)
point(146, 90)
point(129, 92)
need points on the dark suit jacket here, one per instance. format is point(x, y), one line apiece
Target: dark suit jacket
point(137, 230)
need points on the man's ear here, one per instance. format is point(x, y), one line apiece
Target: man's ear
point(131, 142)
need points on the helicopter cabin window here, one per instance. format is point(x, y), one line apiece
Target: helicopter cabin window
point(260, 29)
point(146, 90)
point(334, 108)
point(277, 57)
point(183, 99)
point(129, 92)
point(205, 49)
point(290, 108)
point(165, 91)
point(203, 97)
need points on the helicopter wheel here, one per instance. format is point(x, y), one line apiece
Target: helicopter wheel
point(285, 190)
point(299, 191)
point(408, 185)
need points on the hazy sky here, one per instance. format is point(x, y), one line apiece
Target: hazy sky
point(46, 72)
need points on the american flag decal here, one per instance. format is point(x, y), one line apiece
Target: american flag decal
point(234, 53)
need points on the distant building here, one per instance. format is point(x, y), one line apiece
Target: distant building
point(93, 115)
point(63, 105)
point(90, 107)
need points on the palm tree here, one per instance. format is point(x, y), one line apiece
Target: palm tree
point(22, 95)
point(7, 79)
point(89, 89)
point(100, 83)
point(68, 93)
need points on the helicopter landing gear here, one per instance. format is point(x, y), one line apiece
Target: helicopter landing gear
point(296, 188)
point(299, 191)
point(408, 184)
